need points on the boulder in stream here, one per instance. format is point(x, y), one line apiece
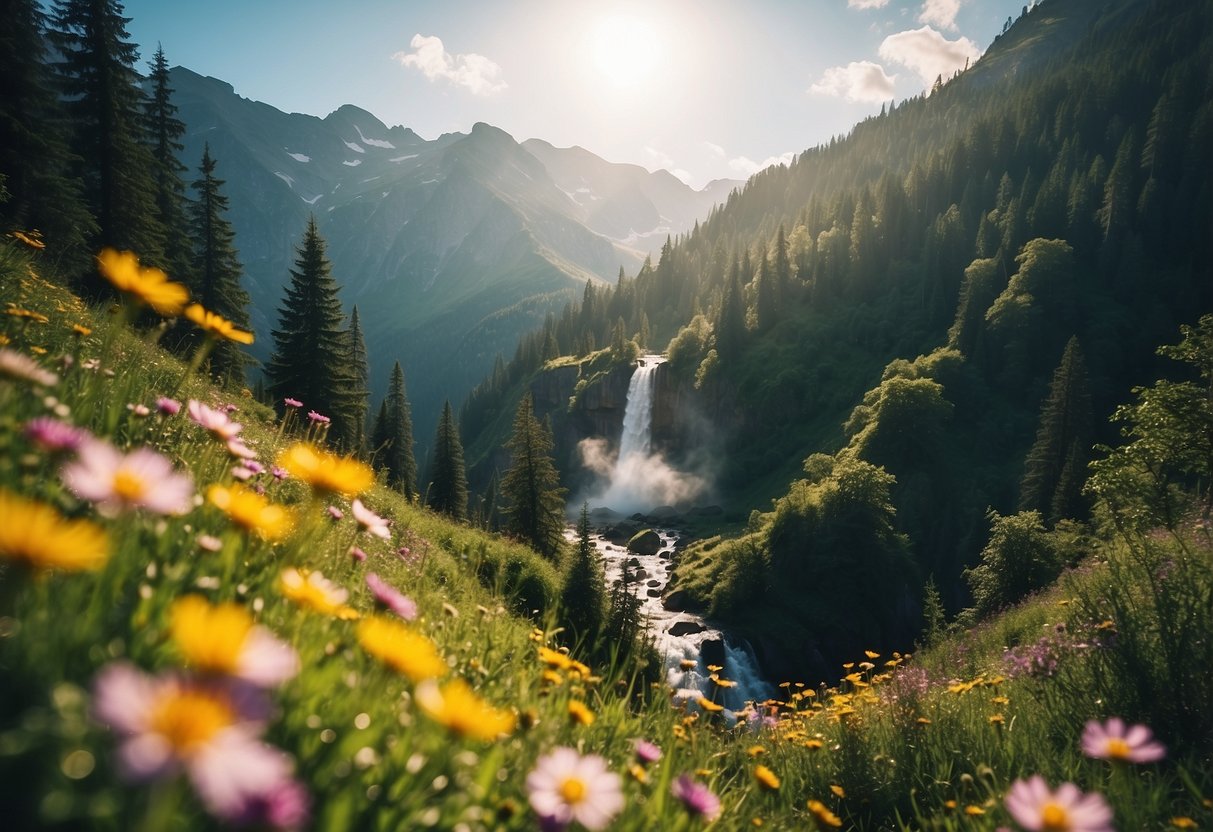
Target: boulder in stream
point(646, 542)
point(676, 601)
point(686, 628)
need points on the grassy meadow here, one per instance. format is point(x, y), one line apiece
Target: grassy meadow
point(171, 659)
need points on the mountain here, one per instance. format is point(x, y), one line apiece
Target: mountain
point(450, 247)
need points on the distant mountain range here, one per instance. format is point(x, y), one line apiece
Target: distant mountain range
point(450, 247)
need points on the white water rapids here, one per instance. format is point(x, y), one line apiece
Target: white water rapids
point(649, 574)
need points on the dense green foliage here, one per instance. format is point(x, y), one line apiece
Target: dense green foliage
point(533, 501)
point(392, 437)
point(448, 485)
point(582, 597)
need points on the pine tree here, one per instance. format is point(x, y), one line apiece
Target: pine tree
point(448, 491)
point(379, 435)
point(166, 130)
point(104, 100)
point(1053, 474)
point(582, 595)
point(534, 500)
point(397, 437)
point(358, 371)
point(35, 160)
point(311, 345)
point(216, 270)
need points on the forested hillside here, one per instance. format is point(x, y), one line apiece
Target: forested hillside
point(1009, 248)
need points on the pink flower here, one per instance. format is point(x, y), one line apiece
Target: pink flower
point(1037, 809)
point(208, 730)
point(289, 402)
point(167, 406)
point(53, 436)
point(254, 466)
point(237, 448)
point(209, 543)
point(216, 421)
point(118, 482)
point(286, 807)
point(279, 473)
point(1112, 741)
point(140, 410)
point(241, 473)
point(390, 598)
point(335, 513)
point(318, 417)
point(646, 752)
point(21, 367)
point(371, 522)
point(696, 797)
point(357, 554)
point(228, 408)
point(565, 787)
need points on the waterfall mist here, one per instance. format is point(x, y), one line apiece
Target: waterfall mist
point(636, 478)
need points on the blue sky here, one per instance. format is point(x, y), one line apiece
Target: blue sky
point(704, 88)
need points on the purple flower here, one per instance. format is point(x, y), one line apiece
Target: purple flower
point(228, 408)
point(698, 799)
point(319, 418)
point(1037, 809)
point(237, 448)
point(52, 436)
point(119, 482)
point(167, 406)
point(1114, 741)
point(216, 421)
point(335, 512)
point(390, 598)
point(289, 402)
point(286, 807)
point(279, 473)
point(357, 554)
point(210, 730)
point(646, 752)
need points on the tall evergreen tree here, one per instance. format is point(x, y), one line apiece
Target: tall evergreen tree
point(379, 435)
point(105, 102)
point(358, 370)
point(582, 596)
point(448, 491)
point(1055, 469)
point(35, 159)
point(397, 437)
point(311, 346)
point(534, 500)
point(165, 131)
point(216, 270)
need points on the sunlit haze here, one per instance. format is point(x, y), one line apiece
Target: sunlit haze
point(706, 88)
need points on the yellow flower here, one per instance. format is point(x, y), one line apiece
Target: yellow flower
point(709, 705)
point(554, 658)
point(326, 472)
point(1000, 700)
point(766, 778)
point(722, 683)
point(755, 750)
point(311, 589)
point(638, 773)
point(552, 677)
point(249, 510)
point(814, 745)
point(461, 710)
point(210, 637)
point(688, 664)
point(18, 312)
point(839, 791)
point(81, 330)
point(996, 719)
point(922, 720)
point(401, 649)
point(214, 324)
point(823, 815)
point(37, 535)
point(974, 810)
point(871, 655)
point(1183, 823)
point(146, 285)
point(579, 713)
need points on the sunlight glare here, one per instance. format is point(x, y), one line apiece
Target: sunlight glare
point(625, 49)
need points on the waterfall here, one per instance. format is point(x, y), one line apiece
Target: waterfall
point(637, 438)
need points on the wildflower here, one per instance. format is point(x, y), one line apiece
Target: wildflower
point(285, 807)
point(215, 421)
point(722, 683)
point(211, 731)
point(766, 778)
point(688, 664)
point(755, 750)
point(28, 314)
point(119, 482)
point(278, 473)
point(20, 367)
point(334, 513)
point(250, 511)
point(318, 418)
point(814, 744)
point(145, 285)
point(289, 402)
point(371, 522)
point(52, 436)
point(554, 658)
point(871, 654)
point(838, 791)
point(401, 649)
point(639, 773)
point(357, 554)
point(81, 331)
point(709, 705)
point(579, 713)
point(822, 814)
point(1114, 741)
point(209, 543)
point(237, 448)
point(646, 752)
point(216, 325)
point(974, 810)
point(565, 787)
point(462, 711)
point(36, 535)
point(312, 589)
point(1184, 822)
point(698, 799)
point(223, 639)
point(326, 472)
point(1037, 809)
point(996, 719)
point(388, 597)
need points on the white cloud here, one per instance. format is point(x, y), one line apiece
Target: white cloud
point(858, 81)
point(715, 149)
point(929, 53)
point(940, 12)
point(867, 4)
point(658, 158)
point(748, 167)
point(474, 72)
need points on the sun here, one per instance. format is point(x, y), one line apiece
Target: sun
point(625, 49)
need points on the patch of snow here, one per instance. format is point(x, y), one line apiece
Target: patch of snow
point(372, 179)
point(288, 180)
point(352, 163)
point(298, 157)
point(354, 146)
point(383, 195)
point(313, 200)
point(428, 181)
point(404, 158)
point(373, 142)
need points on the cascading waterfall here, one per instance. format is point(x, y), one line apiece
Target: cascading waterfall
point(637, 438)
